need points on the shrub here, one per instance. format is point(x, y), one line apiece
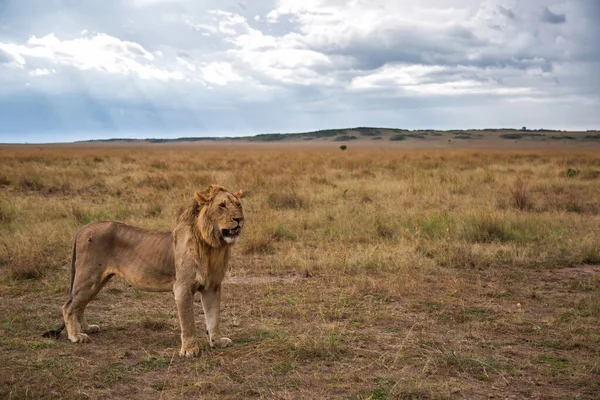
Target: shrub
point(520, 196)
point(572, 173)
point(406, 136)
point(344, 138)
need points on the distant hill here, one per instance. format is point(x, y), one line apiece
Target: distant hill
point(392, 134)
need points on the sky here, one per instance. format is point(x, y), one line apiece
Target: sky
point(88, 69)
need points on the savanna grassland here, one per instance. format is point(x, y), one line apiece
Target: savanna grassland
point(362, 274)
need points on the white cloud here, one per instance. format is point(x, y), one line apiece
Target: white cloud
point(205, 29)
point(186, 64)
point(230, 23)
point(98, 52)
point(395, 75)
point(220, 73)
point(42, 72)
point(430, 81)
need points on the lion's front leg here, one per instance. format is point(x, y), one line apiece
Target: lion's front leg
point(211, 303)
point(184, 297)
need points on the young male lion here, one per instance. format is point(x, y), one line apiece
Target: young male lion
point(192, 258)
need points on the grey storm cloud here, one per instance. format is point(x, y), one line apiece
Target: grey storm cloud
point(244, 67)
point(507, 12)
point(553, 18)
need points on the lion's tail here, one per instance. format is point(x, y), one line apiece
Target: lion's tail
point(55, 333)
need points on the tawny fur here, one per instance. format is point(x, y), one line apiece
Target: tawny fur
point(194, 257)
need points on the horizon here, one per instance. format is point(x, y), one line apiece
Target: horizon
point(190, 135)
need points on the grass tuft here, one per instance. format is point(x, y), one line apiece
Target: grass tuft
point(8, 211)
point(520, 197)
point(287, 199)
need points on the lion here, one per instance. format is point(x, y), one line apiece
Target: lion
point(193, 258)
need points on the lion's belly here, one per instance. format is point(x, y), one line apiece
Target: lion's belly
point(150, 282)
point(144, 276)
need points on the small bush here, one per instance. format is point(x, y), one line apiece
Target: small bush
point(343, 147)
point(519, 195)
point(572, 173)
point(406, 136)
point(344, 138)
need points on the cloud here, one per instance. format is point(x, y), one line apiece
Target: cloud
point(9, 56)
point(98, 52)
point(507, 12)
point(301, 65)
point(220, 73)
point(41, 72)
point(552, 18)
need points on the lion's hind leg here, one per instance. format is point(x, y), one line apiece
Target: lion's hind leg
point(84, 290)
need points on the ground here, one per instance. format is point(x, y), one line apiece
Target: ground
point(361, 273)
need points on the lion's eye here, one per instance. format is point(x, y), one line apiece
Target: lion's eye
point(223, 205)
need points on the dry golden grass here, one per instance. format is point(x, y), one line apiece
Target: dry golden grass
point(360, 274)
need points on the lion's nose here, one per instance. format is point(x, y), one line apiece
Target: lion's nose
point(238, 220)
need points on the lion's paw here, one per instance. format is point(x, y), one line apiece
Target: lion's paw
point(92, 329)
point(80, 338)
point(222, 342)
point(189, 351)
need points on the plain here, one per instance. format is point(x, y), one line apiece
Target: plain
point(360, 274)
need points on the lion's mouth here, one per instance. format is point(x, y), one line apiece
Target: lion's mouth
point(231, 233)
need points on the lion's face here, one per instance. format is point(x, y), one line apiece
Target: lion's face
point(222, 216)
point(228, 214)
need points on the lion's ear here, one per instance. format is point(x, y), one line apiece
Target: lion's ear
point(200, 198)
point(239, 193)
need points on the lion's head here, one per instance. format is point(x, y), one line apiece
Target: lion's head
point(217, 214)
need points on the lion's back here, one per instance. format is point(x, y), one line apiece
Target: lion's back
point(126, 248)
